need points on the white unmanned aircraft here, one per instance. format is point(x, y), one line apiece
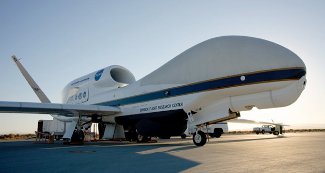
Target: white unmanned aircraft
point(209, 83)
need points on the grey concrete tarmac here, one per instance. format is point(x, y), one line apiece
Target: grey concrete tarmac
point(295, 152)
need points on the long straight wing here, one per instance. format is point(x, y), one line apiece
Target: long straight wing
point(245, 121)
point(68, 110)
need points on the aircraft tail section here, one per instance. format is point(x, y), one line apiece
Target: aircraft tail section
point(40, 94)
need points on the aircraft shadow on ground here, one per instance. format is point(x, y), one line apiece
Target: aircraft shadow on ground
point(101, 157)
point(246, 140)
point(20, 157)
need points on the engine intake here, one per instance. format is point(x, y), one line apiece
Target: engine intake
point(110, 77)
point(113, 76)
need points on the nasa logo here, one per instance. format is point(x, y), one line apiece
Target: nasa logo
point(99, 74)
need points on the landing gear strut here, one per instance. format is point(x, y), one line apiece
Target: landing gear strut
point(78, 135)
point(199, 138)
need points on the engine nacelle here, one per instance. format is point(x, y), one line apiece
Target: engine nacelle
point(107, 78)
point(112, 76)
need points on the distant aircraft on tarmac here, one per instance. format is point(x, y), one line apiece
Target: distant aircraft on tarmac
point(212, 82)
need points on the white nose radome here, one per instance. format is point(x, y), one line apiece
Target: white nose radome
point(289, 94)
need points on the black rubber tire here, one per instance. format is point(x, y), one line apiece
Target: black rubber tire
point(257, 133)
point(142, 139)
point(263, 131)
point(132, 135)
point(183, 136)
point(217, 132)
point(199, 138)
point(275, 133)
point(78, 137)
point(218, 135)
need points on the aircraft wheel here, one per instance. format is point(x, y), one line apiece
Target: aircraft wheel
point(218, 132)
point(199, 138)
point(132, 135)
point(218, 135)
point(78, 137)
point(142, 138)
point(275, 133)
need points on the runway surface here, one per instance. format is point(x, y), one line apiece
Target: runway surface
point(296, 152)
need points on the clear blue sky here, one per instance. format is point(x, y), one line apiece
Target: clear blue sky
point(61, 40)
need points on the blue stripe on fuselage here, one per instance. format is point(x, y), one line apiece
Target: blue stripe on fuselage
point(232, 81)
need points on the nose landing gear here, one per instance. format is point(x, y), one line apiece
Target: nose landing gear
point(199, 138)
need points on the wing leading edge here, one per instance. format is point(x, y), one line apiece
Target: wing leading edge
point(68, 110)
point(245, 121)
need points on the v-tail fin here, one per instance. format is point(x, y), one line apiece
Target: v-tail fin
point(40, 94)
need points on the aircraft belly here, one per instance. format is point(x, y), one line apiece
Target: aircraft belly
point(164, 123)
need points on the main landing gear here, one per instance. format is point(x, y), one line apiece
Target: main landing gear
point(78, 137)
point(134, 135)
point(142, 138)
point(199, 138)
